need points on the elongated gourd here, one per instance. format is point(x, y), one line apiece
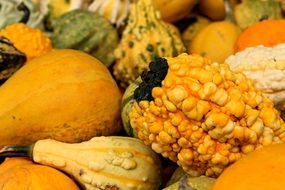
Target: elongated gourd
point(65, 95)
point(119, 163)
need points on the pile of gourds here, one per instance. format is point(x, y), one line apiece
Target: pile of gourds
point(142, 94)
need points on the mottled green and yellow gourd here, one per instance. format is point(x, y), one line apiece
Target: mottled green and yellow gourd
point(146, 36)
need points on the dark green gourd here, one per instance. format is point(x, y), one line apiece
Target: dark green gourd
point(11, 59)
point(88, 32)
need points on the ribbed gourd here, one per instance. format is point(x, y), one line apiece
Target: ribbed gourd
point(88, 32)
point(11, 59)
point(202, 115)
point(105, 163)
point(145, 37)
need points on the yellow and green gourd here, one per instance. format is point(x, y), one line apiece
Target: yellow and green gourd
point(146, 36)
point(88, 32)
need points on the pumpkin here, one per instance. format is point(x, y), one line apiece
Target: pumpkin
point(173, 10)
point(145, 37)
point(10, 13)
point(11, 59)
point(202, 115)
point(66, 95)
point(88, 32)
point(249, 12)
point(21, 173)
point(267, 33)
point(216, 41)
point(119, 163)
point(262, 169)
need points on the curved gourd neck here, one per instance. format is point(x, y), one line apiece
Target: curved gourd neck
point(17, 151)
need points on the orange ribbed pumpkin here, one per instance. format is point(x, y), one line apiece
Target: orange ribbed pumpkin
point(262, 169)
point(267, 33)
point(23, 174)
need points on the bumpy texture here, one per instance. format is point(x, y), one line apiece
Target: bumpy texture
point(205, 117)
point(146, 36)
point(266, 66)
point(32, 42)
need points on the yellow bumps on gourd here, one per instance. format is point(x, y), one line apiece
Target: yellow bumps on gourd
point(206, 122)
point(30, 41)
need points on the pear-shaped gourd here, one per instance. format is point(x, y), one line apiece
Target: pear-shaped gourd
point(107, 163)
point(146, 36)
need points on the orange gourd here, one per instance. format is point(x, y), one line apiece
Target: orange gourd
point(23, 174)
point(262, 169)
point(267, 33)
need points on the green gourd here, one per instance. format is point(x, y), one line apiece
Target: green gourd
point(88, 32)
point(145, 37)
point(11, 59)
point(107, 163)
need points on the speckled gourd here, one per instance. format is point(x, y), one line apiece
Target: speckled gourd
point(145, 36)
point(119, 163)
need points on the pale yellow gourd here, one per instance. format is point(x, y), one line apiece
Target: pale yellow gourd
point(107, 163)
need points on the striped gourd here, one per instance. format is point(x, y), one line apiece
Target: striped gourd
point(119, 163)
point(146, 36)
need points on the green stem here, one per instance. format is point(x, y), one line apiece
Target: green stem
point(17, 151)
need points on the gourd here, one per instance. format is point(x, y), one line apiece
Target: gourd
point(22, 173)
point(145, 37)
point(11, 59)
point(120, 163)
point(88, 32)
point(173, 10)
point(199, 22)
point(31, 41)
point(249, 12)
point(260, 170)
point(265, 66)
point(66, 95)
point(215, 41)
point(190, 183)
point(10, 14)
point(266, 32)
point(202, 115)
point(116, 11)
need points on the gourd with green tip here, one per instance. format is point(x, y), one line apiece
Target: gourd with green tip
point(145, 37)
point(251, 11)
point(11, 59)
point(119, 163)
point(88, 32)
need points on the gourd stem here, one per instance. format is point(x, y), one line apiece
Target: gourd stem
point(17, 151)
point(25, 9)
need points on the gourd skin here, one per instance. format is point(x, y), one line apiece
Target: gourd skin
point(251, 11)
point(204, 116)
point(88, 32)
point(11, 59)
point(144, 37)
point(268, 33)
point(32, 42)
point(264, 65)
point(262, 169)
point(23, 174)
point(65, 95)
point(121, 163)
